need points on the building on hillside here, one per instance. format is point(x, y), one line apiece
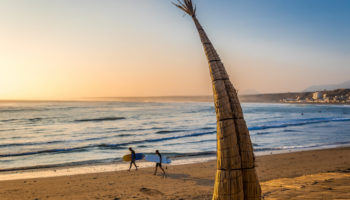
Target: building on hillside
point(317, 95)
point(326, 100)
point(335, 99)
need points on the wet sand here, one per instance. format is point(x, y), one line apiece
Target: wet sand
point(317, 174)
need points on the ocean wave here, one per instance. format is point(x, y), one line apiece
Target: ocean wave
point(267, 132)
point(61, 141)
point(30, 143)
point(268, 149)
point(296, 122)
point(11, 129)
point(263, 133)
point(201, 141)
point(301, 146)
point(8, 120)
point(124, 135)
point(104, 146)
point(157, 139)
point(169, 131)
point(193, 142)
point(33, 120)
point(100, 119)
point(134, 129)
point(76, 149)
point(211, 110)
point(208, 128)
point(290, 130)
point(179, 155)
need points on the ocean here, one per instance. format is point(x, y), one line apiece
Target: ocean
point(49, 134)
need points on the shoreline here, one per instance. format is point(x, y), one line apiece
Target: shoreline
point(298, 175)
point(118, 161)
point(91, 169)
point(68, 170)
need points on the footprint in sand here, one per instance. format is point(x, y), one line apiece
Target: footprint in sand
point(151, 192)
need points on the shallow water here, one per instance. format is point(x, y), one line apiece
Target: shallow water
point(73, 133)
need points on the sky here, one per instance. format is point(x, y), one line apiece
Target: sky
point(64, 49)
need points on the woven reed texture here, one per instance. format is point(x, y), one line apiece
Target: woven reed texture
point(226, 182)
point(236, 177)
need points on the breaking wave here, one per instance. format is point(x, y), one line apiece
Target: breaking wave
point(100, 119)
point(296, 122)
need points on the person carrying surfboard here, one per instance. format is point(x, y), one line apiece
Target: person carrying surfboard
point(133, 158)
point(159, 164)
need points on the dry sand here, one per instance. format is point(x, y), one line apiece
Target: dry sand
point(318, 174)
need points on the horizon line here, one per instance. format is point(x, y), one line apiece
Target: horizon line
point(135, 97)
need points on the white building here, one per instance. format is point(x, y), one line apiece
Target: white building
point(317, 95)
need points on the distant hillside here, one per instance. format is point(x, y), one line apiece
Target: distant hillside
point(345, 85)
point(273, 98)
point(268, 98)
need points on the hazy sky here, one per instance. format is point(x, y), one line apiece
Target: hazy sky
point(64, 49)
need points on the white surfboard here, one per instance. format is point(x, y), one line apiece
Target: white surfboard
point(155, 158)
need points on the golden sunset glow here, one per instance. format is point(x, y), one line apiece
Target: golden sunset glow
point(63, 50)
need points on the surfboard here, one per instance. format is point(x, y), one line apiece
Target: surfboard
point(139, 156)
point(155, 158)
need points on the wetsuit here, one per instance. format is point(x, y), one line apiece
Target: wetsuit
point(160, 161)
point(133, 156)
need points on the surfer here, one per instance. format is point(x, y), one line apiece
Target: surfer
point(159, 164)
point(133, 158)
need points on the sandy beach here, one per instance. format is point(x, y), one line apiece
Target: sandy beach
point(316, 174)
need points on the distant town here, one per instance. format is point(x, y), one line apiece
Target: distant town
point(319, 97)
point(338, 96)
